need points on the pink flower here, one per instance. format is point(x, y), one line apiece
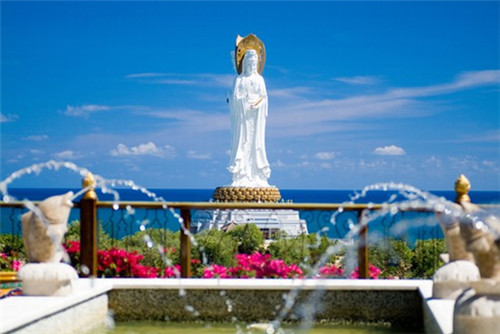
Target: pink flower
point(374, 272)
point(331, 270)
point(16, 265)
point(216, 271)
point(172, 271)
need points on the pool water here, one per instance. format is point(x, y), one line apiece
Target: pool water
point(159, 327)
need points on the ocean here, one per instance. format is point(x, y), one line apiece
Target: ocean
point(119, 224)
point(294, 195)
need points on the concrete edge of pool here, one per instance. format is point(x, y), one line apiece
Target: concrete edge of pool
point(89, 305)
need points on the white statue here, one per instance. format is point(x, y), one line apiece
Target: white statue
point(248, 108)
point(43, 236)
point(43, 232)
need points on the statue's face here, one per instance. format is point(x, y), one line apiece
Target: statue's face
point(250, 61)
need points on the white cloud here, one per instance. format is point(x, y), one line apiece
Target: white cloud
point(84, 110)
point(389, 150)
point(278, 164)
point(289, 92)
point(325, 155)
point(8, 118)
point(359, 80)
point(199, 121)
point(149, 148)
point(36, 152)
point(36, 137)
point(197, 79)
point(303, 115)
point(67, 155)
point(198, 156)
point(463, 81)
point(145, 75)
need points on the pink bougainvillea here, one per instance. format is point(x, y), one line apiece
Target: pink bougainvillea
point(116, 262)
point(254, 265)
point(373, 271)
point(171, 272)
point(330, 271)
point(9, 263)
point(216, 271)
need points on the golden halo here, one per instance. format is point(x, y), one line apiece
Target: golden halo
point(250, 42)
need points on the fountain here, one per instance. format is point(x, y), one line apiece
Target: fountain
point(189, 298)
point(469, 235)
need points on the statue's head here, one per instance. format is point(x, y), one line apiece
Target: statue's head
point(245, 44)
point(250, 62)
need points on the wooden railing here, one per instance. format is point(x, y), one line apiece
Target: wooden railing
point(89, 208)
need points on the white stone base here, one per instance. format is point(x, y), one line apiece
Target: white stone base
point(453, 278)
point(477, 310)
point(266, 220)
point(47, 279)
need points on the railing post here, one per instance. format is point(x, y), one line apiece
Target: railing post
point(185, 244)
point(88, 229)
point(362, 248)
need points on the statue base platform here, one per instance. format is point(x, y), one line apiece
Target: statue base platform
point(269, 222)
point(454, 278)
point(477, 310)
point(247, 194)
point(47, 279)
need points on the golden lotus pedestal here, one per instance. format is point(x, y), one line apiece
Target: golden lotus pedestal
point(247, 194)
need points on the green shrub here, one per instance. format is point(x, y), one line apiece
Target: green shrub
point(394, 257)
point(318, 245)
point(215, 247)
point(248, 237)
point(291, 249)
point(158, 246)
point(426, 257)
point(104, 241)
point(13, 245)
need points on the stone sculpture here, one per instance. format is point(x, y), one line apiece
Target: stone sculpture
point(477, 306)
point(248, 108)
point(43, 229)
point(455, 276)
point(248, 162)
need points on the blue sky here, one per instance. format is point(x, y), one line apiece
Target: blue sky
point(359, 92)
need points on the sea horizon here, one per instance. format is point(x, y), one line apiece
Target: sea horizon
point(294, 195)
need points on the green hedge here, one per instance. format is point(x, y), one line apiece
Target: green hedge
point(162, 247)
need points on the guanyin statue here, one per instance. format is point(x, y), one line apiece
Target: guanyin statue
point(248, 163)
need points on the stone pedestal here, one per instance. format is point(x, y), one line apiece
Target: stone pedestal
point(268, 221)
point(477, 310)
point(453, 278)
point(247, 194)
point(47, 279)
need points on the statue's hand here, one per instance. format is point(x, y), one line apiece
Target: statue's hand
point(256, 104)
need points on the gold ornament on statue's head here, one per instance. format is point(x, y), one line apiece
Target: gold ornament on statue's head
point(250, 42)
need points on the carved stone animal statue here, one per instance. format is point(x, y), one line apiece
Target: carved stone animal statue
point(44, 228)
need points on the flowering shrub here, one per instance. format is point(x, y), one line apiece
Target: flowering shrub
point(117, 262)
point(9, 263)
point(216, 271)
point(254, 265)
point(330, 271)
point(373, 271)
point(172, 272)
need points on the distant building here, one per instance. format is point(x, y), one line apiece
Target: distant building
point(268, 221)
